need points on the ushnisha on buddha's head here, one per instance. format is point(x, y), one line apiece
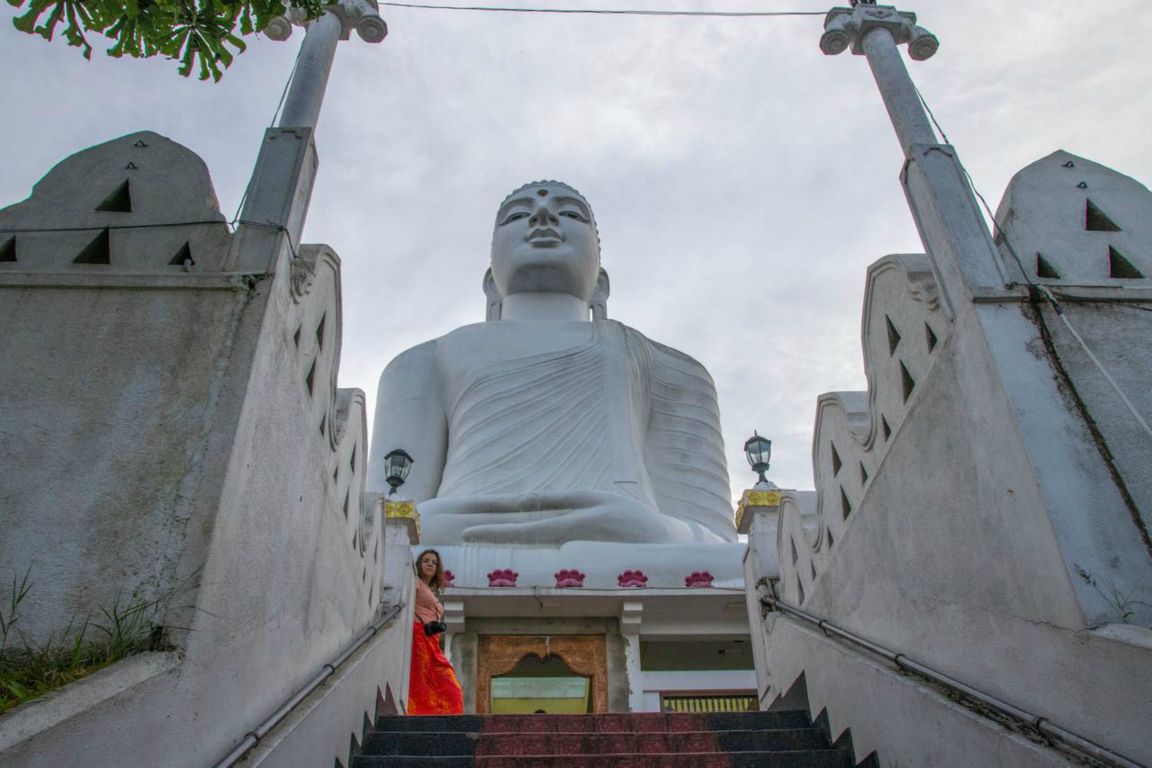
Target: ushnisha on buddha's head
point(545, 241)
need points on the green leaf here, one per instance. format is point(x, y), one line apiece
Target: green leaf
point(205, 35)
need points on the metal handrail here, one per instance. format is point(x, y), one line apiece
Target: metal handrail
point(1041, 725)
point(253, 737)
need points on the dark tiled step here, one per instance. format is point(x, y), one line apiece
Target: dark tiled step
point(445, 744)
point(410, 761)
point(612, 723)
point(419, 743)
point(511, 744)
point(796, 759)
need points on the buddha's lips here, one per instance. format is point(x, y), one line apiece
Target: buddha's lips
point(545, 236)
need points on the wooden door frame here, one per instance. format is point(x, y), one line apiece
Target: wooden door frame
point(585, 655)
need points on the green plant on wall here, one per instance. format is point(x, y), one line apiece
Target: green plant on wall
point(29, 670)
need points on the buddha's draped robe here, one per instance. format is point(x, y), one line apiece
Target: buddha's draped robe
point(582, 416)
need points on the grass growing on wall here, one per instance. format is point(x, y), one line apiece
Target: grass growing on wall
point(28, 671)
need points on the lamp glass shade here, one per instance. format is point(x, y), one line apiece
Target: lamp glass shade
point(759, 452)
point(396, 465)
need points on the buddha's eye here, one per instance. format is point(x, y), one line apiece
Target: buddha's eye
point(514, 216)
point(575, 215)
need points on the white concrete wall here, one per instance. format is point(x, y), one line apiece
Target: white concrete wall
point(961, 543)
point(114, 375)
point(250, 463)
point(332, 719)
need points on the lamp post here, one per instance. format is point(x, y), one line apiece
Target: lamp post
point(398, 511)
point(397, 463)
point(764, 496)
point(759, 452)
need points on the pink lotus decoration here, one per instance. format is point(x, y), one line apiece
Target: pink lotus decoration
point(504, 577)
point(635, 579)
point(569, 577)
point(449, 579)
point(698, 579)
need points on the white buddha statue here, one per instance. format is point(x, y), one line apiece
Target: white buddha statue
point(548, 423)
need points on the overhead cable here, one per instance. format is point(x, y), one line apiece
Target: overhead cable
point(602, 11)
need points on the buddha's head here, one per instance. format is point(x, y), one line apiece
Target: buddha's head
point(545, 240)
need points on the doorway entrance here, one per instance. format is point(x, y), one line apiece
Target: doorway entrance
point(524, 674)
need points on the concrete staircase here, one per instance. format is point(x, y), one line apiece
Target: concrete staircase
point(649, 740)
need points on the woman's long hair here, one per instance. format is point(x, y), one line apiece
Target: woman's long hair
point(437, 581)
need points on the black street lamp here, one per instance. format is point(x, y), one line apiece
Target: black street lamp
point(759, 452)
point(396, 465)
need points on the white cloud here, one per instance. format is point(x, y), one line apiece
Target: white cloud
point(742, 181)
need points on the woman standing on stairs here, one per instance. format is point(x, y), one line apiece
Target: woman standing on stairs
point(432, 688)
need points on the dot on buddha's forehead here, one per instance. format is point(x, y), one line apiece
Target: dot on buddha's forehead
point(542, 192)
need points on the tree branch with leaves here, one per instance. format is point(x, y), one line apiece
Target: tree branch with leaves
point(203, 35)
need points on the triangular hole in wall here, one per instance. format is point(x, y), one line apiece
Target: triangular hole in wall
point(1118, 266)
point(835, 460)
point(310, 379)
point(863, 474)
point(320, 331)
point(119, 201)
point(907, 383)
point(893, 335)
point(98, 251)
point(1095, 220)
point(8, 249)
point(1044, 269)
point(845, 506)
point(887, 430)
point(931, 337)
point(183, 257)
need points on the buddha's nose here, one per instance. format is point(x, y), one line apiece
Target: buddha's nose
point(542, 216)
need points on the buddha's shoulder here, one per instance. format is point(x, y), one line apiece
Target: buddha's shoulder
point(658, 351)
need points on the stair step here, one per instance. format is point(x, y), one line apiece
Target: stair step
point(642, 740)
point(611, 723)
point(792, 759)
point(510, 744)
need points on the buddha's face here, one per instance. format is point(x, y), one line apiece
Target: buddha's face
point(545, 240)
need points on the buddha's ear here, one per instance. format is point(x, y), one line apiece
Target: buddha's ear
point(599, 302)
point(495, 300)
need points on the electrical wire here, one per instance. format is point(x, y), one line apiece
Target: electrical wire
point(603, 11)
point(160, 225)
point(1043, 290)
point(996, 230)
point(275, 116)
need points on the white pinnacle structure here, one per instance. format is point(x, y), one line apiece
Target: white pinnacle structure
point(964, 257)
point(306, 96)
point(276, 202)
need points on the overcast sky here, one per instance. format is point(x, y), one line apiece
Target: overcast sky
point(742, 181)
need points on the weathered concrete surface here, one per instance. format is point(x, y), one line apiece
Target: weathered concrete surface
point(210, 454)
point(111, 390)
point(982, 507)
point(333, 718)
point(901, 720)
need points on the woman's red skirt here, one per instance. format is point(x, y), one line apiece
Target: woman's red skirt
point(432, 687)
